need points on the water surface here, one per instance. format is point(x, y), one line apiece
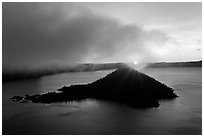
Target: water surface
point(182, 115)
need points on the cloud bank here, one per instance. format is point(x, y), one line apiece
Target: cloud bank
point(40, 34)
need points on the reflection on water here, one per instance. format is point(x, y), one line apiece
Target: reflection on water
point(180, 116)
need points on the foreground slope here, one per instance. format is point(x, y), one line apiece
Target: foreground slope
point(124, 85)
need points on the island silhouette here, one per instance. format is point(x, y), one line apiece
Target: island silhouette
point(124, 85)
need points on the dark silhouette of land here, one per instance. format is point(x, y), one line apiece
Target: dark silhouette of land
point(175, 64)
point(124, 85)
point(13, 75)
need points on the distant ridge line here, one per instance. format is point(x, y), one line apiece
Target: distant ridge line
point(175, 64)
point(14, 75)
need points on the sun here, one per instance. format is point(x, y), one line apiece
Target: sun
point(135, 62)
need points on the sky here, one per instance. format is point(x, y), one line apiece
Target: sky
point(46, 34)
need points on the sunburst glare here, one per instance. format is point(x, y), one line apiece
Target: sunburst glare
point(135, 62)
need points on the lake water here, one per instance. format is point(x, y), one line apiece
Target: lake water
point(182, 115)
